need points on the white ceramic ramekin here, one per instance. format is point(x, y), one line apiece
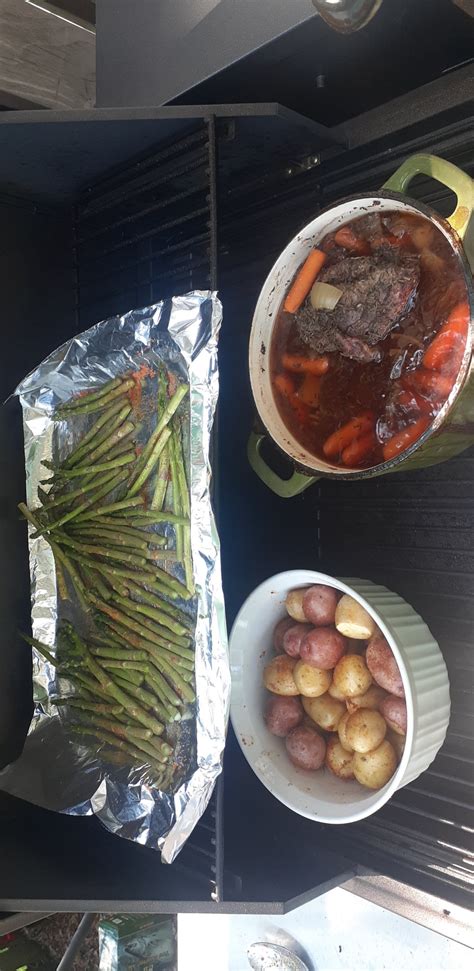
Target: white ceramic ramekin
point(320, 795)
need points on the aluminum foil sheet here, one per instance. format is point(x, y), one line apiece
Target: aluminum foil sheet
point(54, 771)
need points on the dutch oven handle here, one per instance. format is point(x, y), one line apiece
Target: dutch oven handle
point(445, 172)
point(285, 488)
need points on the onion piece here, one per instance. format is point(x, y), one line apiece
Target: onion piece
point(324, 296)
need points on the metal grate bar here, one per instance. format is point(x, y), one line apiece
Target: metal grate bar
point(146, 211)
point(101, 195)
point(142, 233)
point(151, 233)
point(147, 230)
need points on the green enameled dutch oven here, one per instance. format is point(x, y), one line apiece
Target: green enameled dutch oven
point(452, 430)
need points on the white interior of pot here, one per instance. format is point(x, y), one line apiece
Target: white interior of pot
point(266, 313)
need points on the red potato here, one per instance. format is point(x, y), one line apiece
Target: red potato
point(279, 632)
point(383, 666)
point(306, 748)
point(323, 648)
point(394, 710)
point(282, 714)
point(294, 637)
point(319, 605)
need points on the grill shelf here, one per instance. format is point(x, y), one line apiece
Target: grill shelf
point(216, 205)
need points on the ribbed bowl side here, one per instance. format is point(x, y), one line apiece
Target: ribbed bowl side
point(425, 670)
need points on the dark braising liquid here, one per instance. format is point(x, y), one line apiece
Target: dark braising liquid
point(350, 387)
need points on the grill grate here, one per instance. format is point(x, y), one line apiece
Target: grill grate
point(412, 532)
point(142, 234)
point(147, 231)
point(150, 230)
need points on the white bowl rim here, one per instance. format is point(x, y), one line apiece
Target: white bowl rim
point(304, 578)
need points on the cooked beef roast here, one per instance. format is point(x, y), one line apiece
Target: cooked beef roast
point(377, 291)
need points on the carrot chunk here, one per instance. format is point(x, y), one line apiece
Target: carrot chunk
point(304, 280)
point(343, 437)
point(430, 383)
point(458, 319)
point(347, 238)
point(402, 440)
point(284, 384)
point(447, 348)
point(445, 352)
point(305, 365)
point(357, 451)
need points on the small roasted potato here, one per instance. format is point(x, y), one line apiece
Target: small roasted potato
point(306, 748)
point(294, 637)
point(335, 693)
point(394, 710)
point(397, 741)
point(372, 698)
point(342, 732)
point(310, 681)
point(319, 605)
point(279, 633)
point(278, 675)
point(383, 666)
point(325, 711)
point(282, 714)
point(339, 760)
point(351, 676)
point(365, 730)
point(323, 647)
point(294, 605)
point(352, 619)
point(374, 769)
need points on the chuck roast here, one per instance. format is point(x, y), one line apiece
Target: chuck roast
point(377, 291)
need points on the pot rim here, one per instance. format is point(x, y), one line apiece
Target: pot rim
point(456, 244)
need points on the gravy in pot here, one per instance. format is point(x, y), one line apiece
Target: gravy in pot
point(358, 380)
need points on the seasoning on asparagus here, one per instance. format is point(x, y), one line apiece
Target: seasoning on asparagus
point(92, 437)
point(96, 400)
point(139, 663)
point(152, 450)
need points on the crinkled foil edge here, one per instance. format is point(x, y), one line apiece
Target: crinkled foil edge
point(188, 339)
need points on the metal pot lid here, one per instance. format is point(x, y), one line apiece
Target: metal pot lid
point(274, 957)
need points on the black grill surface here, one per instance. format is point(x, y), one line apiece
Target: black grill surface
point(412, 532)
point(148, 231)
